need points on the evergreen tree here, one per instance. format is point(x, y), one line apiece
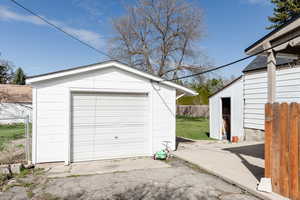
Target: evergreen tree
point(284, 11)
point(19, 77)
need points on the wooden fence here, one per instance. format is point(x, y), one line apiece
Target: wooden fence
point(282, 148)
point(193, 110)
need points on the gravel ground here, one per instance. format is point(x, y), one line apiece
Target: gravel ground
point(181, 181)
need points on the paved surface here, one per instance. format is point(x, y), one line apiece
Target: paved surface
point(100, 167)
point(242, 163)
point(178, 181)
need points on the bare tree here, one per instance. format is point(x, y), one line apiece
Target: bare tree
point(6, 71)
point(159, 36)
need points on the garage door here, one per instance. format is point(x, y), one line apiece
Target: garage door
point(108, 125)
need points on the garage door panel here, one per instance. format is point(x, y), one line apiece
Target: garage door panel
point(109, 125)
point(115, 147)
point(84, 120)
point(124, 130)
point(120, 138)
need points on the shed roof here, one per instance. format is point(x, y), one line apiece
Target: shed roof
point(15, 93)
point(106, 64)
point(260, 62)
point(227, 85)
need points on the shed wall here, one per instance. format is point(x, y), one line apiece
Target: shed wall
point(52, 101)
point(235, 92)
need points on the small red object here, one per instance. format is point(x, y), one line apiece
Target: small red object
point(235, 139)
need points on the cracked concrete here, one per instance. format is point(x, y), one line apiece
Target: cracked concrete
point(55, 170)
point(178, 181)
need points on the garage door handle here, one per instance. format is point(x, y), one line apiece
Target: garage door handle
point(116, 137)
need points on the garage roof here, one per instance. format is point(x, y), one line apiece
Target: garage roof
point(106, 64)
point(260, 62)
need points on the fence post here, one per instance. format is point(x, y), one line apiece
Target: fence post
point(293, 149)
point(27, 138)
point(268, 138)
point(275, 148)
point(284, 149)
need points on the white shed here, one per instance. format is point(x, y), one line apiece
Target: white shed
point(101, 111)
point(226, 107)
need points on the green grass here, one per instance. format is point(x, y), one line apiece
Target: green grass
point(11, 132)
point(195, 128)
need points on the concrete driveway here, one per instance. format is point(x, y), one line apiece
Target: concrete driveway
point(174, 179)
point(241, 164)
point(54, 170)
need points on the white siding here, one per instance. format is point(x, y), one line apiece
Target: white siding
point(235, 92)
point(255, 95)
point(288, 85)
point(52, 105)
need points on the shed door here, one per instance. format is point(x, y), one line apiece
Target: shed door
point(109, 125)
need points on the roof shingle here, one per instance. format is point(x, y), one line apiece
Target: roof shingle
point(260, 62)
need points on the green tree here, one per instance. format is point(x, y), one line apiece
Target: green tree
point(284, 11)
point(204, 91)
point(19, 77)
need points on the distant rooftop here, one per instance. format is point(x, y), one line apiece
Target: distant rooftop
point(260, 62)
point(15, 93)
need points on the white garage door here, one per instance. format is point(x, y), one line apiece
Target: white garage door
point(108, 125)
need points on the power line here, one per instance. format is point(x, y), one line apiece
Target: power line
point(179, 78)
point(59, 29)
point(233, 62)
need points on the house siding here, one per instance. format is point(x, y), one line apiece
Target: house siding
point(255, 98)
point(255, 93)
point(52, 107)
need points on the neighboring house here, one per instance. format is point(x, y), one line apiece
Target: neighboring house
point(15, 102)
point(273, 76)
point(102, 111)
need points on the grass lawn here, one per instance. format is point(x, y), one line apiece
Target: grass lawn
point(11, 132)
point(192, 127)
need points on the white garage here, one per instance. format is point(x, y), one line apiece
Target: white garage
point(101, 111)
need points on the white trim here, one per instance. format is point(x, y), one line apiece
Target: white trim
point(107, 90)
point(279, 33)
point(106, 65)
point(150, 124)
point(179, 96)
point(68, 127)
point(34, 126)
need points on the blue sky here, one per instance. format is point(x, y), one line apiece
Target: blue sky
point(230, 27)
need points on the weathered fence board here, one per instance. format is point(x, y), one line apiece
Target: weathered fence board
point(284, 152)
point(193, 110)
point(282, 148)
point(268, 139)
